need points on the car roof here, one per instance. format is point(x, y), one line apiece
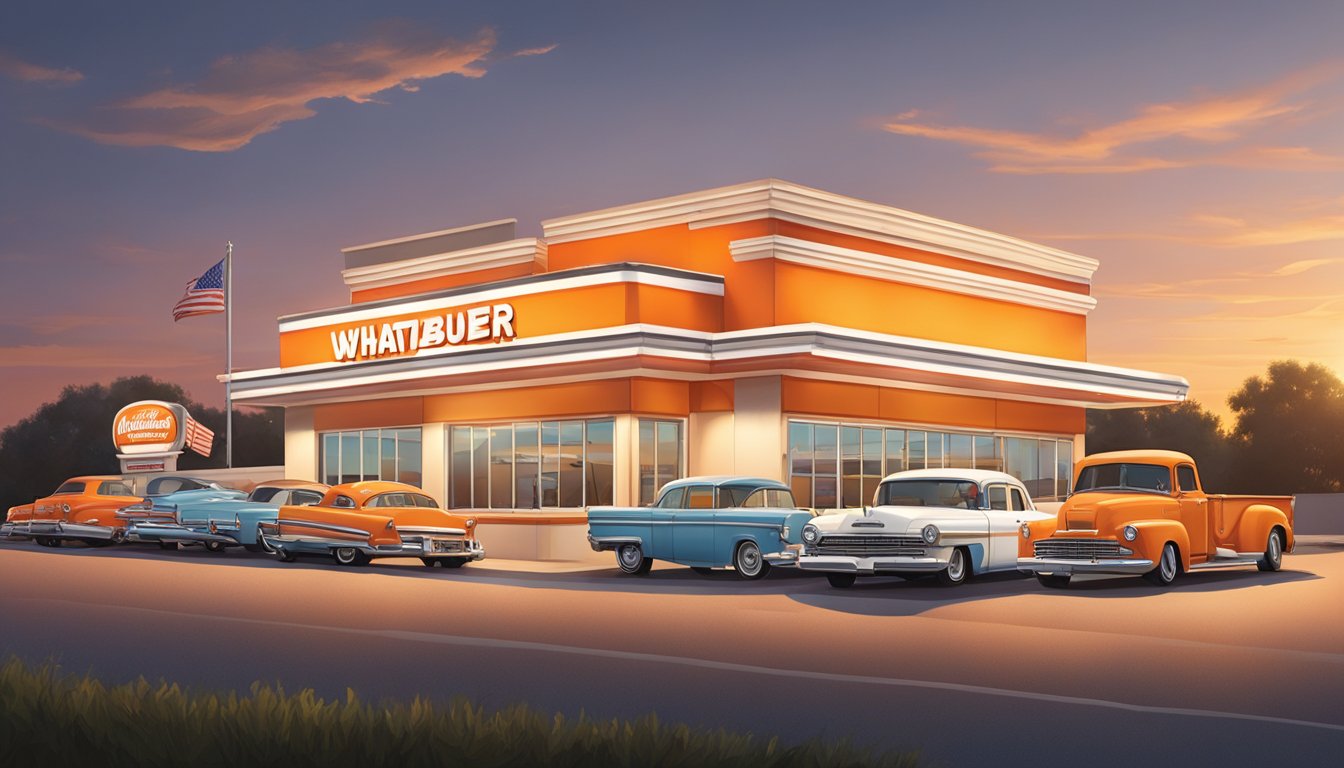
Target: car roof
point(307, 485)
point(948, 473)
point(365, 489)
point(93, 478)
point(1145, 454)
point(717, 480)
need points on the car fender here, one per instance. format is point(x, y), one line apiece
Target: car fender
point(1256, 522)
point(1153, 534)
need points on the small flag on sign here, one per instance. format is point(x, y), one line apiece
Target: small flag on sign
point(199, 438)
point(204, 296)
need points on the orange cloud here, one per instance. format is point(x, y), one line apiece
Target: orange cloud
point(1223, 231)
point(15, 68)
point(1209, 120)
point(244, 96)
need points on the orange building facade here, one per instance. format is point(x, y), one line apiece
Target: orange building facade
point(763, 329)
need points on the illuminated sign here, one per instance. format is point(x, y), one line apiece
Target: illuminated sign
point(144, 424)
point(493, 322)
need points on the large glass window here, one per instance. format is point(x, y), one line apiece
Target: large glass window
point(834, 466)
point(660, 456)
point(371, 454)
point(533, 465)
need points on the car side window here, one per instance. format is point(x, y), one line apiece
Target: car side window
point(1019, 501)
point(69, 488)
point(756, 499)
point(779, 499)
point(998, 497)
point(700, 497)
point(1185, 478)
point(304, 498)
point(344, 502)
point(672, 498)
point(114, 488)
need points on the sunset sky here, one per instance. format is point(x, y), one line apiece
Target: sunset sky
point(1196, 149)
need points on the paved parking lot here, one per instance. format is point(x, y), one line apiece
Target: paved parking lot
point(1233, 666)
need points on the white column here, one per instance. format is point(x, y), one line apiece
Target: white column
point(434, 461)
point(758, 427)
point(300, 444)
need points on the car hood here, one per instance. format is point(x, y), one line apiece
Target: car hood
point(1102, 511)
point(891, 520)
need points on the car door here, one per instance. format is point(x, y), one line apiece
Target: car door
point(661, 519)
point(693, 529)
point(1194, 511)
point(1006, 505)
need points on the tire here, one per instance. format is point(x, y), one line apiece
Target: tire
point(1054, 580)
point(284, 555)
point(958, 569)
point(748, 562)
point(453, 562)
point(432, 562)
point(1168, 567)
point(702, 570)
point(841, 580)
point(1273, 559)
point(254, 548)
point(349, 556)
point(630, 558)
point(168, 545)
point(214, 546)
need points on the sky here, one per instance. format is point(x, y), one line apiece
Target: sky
point(1196, 149)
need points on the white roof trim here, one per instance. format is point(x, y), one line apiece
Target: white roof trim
point(521, 251)
point(427, 235)
point(773, 198)
point(850, 261)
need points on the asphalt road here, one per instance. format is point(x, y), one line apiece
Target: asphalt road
point(1228, 667)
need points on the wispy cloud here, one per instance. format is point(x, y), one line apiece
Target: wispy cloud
point(1159, 136)
point(246, 95)
point(1226, 231)
point(536, 51)
point(15, 68)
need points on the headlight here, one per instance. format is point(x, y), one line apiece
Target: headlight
point(471, 523)
point(1131, 533)
point(810, 534)
point(391, 524)
point(1026, 531)
point(930, 534)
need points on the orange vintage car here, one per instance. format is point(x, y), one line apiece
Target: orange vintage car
point(81, 509)
point(1146, 513)
point(356, 522)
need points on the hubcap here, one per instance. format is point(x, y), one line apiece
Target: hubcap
point(1168, 563)
point(956, 565)
point(345, 554)
point(630, 556)
point(1274, 551)
point(749, 558)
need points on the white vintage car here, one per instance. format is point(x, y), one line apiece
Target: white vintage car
point(950, 522)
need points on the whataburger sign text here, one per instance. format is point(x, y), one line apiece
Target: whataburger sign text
point(493, 322)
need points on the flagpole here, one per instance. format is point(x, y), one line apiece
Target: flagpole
point(228, 356)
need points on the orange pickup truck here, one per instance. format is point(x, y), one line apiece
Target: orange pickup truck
point(1146, 513)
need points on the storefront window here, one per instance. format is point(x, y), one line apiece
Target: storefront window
point(530, 465)
point(371, 454)
point(660, 452)
point(834, 466)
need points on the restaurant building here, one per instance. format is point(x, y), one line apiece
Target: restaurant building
point(764, 329)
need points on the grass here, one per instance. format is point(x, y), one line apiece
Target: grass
point(51, 718)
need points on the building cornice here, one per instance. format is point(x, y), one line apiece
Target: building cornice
point(786, 201)
point(526, 250)
point(891, 268)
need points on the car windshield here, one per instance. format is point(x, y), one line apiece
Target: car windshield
point(1122, 476)
point(963, 494)
point(263, 493)
point(401, 499)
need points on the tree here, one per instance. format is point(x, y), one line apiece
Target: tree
point(73, 436)
point(1186, 427)
point(1289, 436)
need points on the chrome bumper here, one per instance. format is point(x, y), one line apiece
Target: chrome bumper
point(606, 543)
point(60, 530)
point(874, 565)
point(312, 545)
point(785, 559)
point(1061, 565)
point(163, 532)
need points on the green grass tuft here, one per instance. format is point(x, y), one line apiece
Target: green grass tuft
point(48, 718)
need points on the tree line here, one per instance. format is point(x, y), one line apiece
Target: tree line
point(1287, 436)
point(73, 436)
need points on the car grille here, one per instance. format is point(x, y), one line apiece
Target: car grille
point(1080, 549)
point(867, 546)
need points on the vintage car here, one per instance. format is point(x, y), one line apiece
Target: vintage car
point(949, 522)
point(355, 522)
point(705, 522)
point(1146, 513)
point(81, 509)
point(225, 518)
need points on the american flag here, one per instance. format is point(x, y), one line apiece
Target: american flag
point(199, 439)
point(205, 294)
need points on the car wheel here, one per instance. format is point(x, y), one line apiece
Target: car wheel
point(748, 563)
point(349, 556)
point(168, 545)
point(284, 555)
point(42, 541)
point(1054, 580)
point(1168, 565)
point(841, 580)
point(631, 559)
point(702, 570)
point(453, 562)
point(214, 546)
point(1273, 559)
point(432, 562)
point(957, 570)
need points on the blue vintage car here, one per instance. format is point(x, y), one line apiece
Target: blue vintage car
point(194, 511)
point(749, 523)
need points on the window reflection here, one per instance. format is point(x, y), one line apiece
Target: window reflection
point(370, 454)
